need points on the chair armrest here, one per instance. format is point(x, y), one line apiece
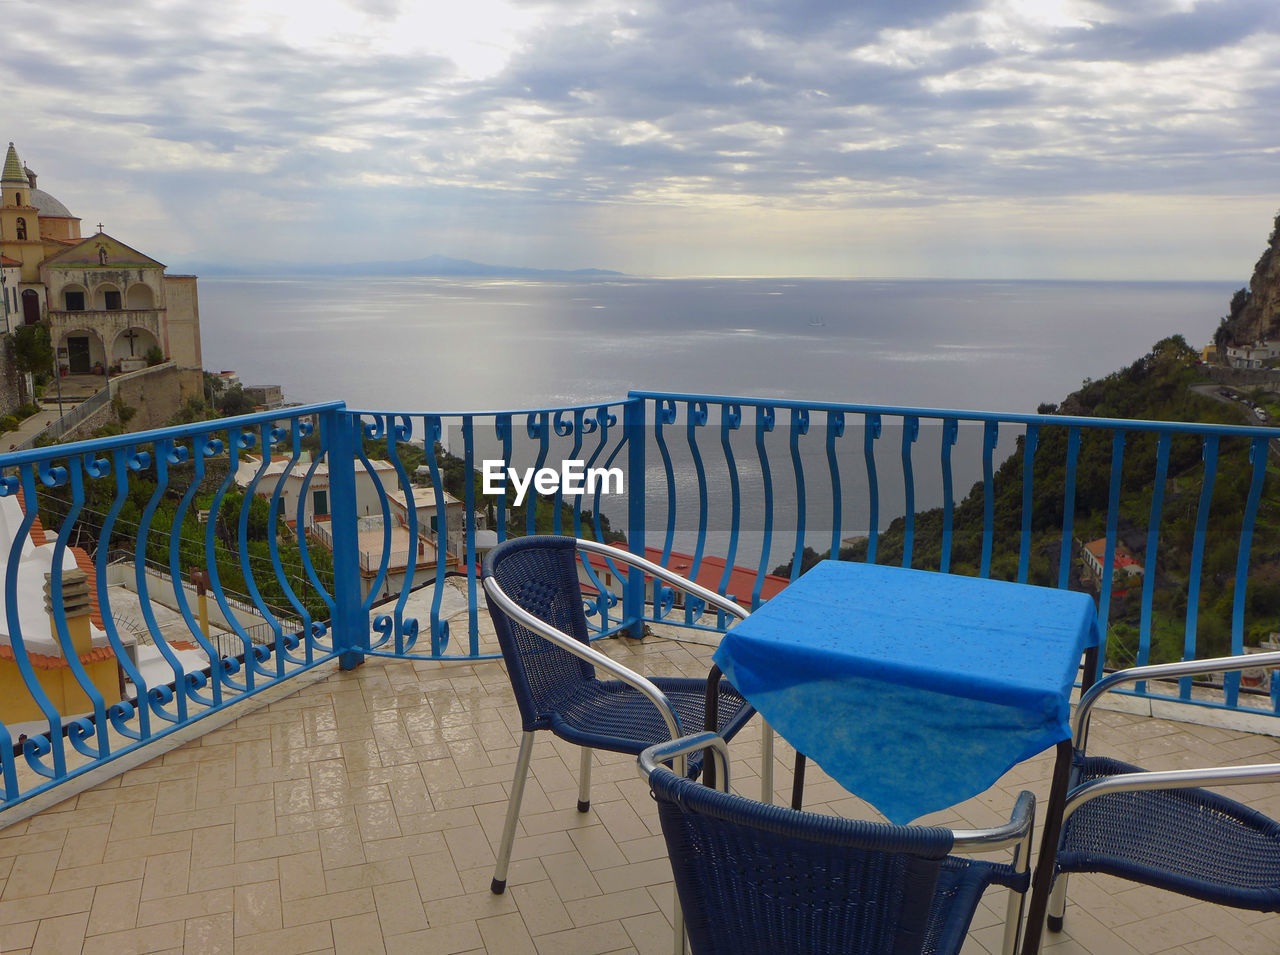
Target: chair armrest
point(1169, 779)
point(1160, 671)
point(666, 576)
point(585, 652)
point(1014, 832)
point(659, 753)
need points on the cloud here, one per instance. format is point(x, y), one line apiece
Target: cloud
point(456, 116)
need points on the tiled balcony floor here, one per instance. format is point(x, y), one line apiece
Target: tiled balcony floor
point(360, 814)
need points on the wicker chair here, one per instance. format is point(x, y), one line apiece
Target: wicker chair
point(1160, 828)
point(531, 586)
point(758, 878)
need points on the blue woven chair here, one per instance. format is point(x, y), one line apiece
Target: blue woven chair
point(758, 878)
point(1161, 828)
point(531, 587)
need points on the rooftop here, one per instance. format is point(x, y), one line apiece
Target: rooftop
point(360, 813)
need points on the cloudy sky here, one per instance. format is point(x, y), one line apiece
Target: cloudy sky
point(988, 138)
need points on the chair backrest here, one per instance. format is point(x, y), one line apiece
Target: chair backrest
point(758, 878)
point(540, 574)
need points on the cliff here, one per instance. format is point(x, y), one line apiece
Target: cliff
point(1255, 312)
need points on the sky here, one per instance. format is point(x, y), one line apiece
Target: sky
point(1135, 139)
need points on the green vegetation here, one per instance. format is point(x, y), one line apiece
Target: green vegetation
point(218, 402)
point(1156, 387)
point(32, 352)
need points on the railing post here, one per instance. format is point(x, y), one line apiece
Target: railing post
point(350, 624)
point(633, 424)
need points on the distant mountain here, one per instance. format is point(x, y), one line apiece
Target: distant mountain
point(441, 265)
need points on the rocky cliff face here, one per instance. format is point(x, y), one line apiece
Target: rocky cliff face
point(1256, 316)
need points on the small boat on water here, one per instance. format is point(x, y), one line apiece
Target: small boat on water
point(816, 323)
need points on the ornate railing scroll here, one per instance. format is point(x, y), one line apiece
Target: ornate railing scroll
point(420, 558)
point(258, 547)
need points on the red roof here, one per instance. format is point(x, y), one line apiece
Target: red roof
point(1123, 556)
point(8, 262)
point(742, 580)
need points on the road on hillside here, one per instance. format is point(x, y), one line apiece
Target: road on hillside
point(1214, 391)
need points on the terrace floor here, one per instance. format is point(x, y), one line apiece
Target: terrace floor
point(361, 812)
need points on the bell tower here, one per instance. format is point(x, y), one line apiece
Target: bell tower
point(15, 185)
point(19, 218)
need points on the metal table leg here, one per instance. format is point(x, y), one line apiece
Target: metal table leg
point(1042, 881)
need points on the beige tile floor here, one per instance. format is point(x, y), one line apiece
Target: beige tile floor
point(360, 814)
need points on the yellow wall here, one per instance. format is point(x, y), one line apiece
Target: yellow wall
point(183, 314)
point(17, 704)
point(29, 251)
point(59, 227)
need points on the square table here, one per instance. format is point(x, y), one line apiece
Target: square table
point(917, 690)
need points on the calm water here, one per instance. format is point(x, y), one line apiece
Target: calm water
point(440, 345)
point(426, 344)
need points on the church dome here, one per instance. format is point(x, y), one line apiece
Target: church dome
point(48, 205)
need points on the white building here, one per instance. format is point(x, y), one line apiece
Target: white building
point(1253, 355)
point(317, 505)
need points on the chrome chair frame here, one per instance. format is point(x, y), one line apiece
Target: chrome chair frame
point(1149, 780)
point(610, 666)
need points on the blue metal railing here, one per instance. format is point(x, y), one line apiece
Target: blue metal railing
point(715, 487)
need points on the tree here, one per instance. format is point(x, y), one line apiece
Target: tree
point(214, 385)
point(1238, 301)
point(193, 409)
point(32, 352)
point(233, 402)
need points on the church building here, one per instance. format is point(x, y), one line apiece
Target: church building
point(108, 306)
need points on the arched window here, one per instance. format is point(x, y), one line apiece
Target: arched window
point(139, 296)
point(18, 200)
point(22, 228)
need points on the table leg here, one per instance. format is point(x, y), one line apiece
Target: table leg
point(1088, 667)
point(1042, 881)
point(797, 782)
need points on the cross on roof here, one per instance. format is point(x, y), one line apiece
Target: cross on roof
point(99, 226)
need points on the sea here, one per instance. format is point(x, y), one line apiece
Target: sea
point(446, 345)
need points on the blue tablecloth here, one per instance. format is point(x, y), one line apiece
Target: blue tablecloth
point(913, 690)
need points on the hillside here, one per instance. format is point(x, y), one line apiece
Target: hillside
point(1255, 311)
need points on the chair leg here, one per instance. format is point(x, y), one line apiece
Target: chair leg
point(681, 943)
point(1013, 922)
point(499, 883)
point(766, 763)
point(584, 780)
point(1057, 903)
